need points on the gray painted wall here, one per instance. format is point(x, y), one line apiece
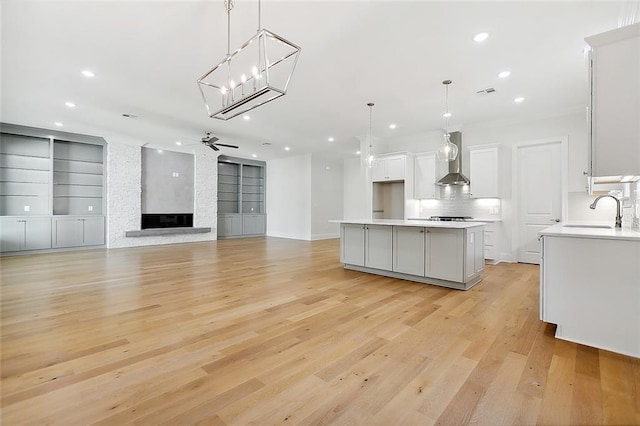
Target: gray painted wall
point(167, 181)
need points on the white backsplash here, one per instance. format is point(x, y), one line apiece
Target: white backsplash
point(455, 201)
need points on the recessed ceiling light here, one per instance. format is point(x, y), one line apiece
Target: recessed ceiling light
point(446, 115)
point(254, 155)
point(246, 117)
point(331, 139)
point(178, 143)
point(504, 74)
point(59, 124)
point(286, 148)
point(159, 151)
point(70, 104)
point(518, 100)
point(480, 37)
point(357, 152)
point(392, 126)
point(88, 73)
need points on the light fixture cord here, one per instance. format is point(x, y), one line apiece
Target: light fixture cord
point(259, 14)
point(370, 126)
point(228, 4)
point(446, 117)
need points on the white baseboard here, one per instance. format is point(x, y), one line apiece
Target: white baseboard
point(325, 236)
point(289, 236)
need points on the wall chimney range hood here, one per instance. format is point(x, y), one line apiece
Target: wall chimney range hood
point(455, 176)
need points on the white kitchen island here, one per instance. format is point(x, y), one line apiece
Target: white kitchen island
point(590, 286)
point(449, 254)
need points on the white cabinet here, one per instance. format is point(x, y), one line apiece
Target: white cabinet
point(483, 167)
point(408, 250)
point(490, 241)
point(425, 176)
point(77, 231)
point(25, 233)
point(445, 254)
point(474, 254)
point(367, 245)
point(589, 288)
point(378, 247)
point(388, 168)
point(615, 102)
point(352, 244)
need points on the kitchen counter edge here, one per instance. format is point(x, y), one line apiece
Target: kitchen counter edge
point(609, 234)
point(411, 222)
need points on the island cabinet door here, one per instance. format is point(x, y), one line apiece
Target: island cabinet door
point(379, 247)
point(408, 250)
point(352, 244)
point(445, 254)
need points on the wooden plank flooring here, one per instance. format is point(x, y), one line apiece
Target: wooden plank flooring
point(270, 331)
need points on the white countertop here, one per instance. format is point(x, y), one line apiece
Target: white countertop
point(411, 222)
point(599, 233)
point(475, 219)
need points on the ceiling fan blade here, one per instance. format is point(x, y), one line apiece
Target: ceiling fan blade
point(213, 147)
point(228, 146)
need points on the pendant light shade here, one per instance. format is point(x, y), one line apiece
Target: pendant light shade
point(447, 150)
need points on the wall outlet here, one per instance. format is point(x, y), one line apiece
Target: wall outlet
point(90, 208)
point(27, 208)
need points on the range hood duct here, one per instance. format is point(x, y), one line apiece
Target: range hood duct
point(455, 176)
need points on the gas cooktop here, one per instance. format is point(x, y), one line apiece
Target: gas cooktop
point(450, 218)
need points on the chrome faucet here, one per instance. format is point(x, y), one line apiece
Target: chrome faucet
point(618, 215)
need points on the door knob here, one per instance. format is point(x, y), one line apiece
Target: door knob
point(555, 220)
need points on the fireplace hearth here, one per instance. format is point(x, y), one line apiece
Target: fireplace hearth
point(167, 220)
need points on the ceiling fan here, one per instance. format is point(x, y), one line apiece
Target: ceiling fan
point(212, 142)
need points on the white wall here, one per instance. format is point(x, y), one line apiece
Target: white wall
point(355, 197)
point(124, 170)
point(288, 197)
point(326, 197)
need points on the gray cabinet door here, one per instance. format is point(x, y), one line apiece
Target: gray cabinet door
point(408, 250)
point(444, 254)
point(93, 231)
point(12, 233)
point(25, 233)
point(37, 233)
point(379, 246)
point(352, 240)
point(67, 232)
point(253, 224)
point(229, 225)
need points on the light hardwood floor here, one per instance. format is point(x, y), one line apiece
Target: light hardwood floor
point(268, 331)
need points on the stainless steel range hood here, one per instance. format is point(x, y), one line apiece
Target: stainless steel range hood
point(455, 176)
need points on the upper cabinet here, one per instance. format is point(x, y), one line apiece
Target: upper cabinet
point(615, 102)
point(388, 168)
point(483, 167)
point(425, 176)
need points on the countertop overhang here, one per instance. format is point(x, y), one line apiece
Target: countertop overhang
point(411, 222)
point(599, 233)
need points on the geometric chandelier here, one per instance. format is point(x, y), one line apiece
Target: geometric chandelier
point(257, 72)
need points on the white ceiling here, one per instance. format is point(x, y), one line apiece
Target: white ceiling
point(148, 54)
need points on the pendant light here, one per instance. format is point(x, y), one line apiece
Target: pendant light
point(254, 74)
point(370, 154)
point(447, 151)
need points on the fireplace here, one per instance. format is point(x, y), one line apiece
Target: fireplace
point(167, 220)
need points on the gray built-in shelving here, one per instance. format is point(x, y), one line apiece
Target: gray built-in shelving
point(51, 189)
point(241, 197)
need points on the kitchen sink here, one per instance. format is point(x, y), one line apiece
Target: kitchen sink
point(588, 226)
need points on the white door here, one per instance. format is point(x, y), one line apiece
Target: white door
point(539, 187)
